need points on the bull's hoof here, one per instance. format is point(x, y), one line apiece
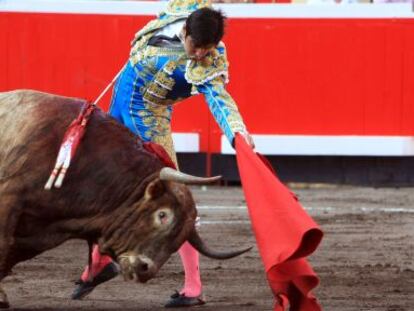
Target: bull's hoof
point(4, 305)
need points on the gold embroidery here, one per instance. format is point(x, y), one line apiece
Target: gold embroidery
point(167, 142)
point(148, 121)
point(232, 116)
point(163, 80)
point(160, 132)
point(149, 134)
point(138, 48)
point(157, 118)
point(185, 7)
point(212, 66)
point(157, 90)
point(141, 52)
point(151, 99)
point(170, 67)
point(176, 10)
point(144, 113)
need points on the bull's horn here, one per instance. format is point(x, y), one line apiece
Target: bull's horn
point(168, 173)
point(199, 245)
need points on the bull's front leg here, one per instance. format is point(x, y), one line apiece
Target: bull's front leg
point(9, 211)
point(4, 302)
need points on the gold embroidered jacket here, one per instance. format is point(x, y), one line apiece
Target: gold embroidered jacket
point(167, 75)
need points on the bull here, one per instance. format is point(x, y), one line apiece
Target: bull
point(116, 193)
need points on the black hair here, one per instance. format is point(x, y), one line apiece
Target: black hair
point(205, 26)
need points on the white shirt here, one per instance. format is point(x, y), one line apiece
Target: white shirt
point(171, 30)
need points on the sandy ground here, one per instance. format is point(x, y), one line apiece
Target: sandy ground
point(365, 261)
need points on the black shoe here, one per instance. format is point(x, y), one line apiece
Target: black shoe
point(178, 300)
point(85, 288)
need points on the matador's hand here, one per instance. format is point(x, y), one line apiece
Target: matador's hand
point(248, 138)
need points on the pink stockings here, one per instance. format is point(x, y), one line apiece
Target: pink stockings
point(189, 258)
point(98, 263)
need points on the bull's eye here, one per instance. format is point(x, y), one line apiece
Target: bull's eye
point(163, 217)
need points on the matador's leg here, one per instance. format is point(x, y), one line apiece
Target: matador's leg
point(192, 288)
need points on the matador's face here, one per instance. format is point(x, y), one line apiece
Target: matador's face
point(194, 52)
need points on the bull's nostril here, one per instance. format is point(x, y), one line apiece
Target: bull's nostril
point(143, 267)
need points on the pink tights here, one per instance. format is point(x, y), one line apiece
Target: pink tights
point(190, 259)
point(98, 263)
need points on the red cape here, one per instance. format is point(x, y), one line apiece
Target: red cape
point(285, 233)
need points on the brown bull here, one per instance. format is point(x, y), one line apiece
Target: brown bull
point(115, 193)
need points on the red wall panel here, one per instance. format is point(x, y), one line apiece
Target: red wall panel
point(407, 85)
point(288, 76)
point(322, 76)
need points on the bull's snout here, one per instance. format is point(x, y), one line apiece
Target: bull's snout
point(144, 268)
point(138, 267)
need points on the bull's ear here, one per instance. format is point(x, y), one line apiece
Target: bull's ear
point(155, 189)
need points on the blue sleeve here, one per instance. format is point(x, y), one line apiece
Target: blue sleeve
point(222, 107)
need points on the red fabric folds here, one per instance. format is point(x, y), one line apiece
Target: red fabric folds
point(285, 233)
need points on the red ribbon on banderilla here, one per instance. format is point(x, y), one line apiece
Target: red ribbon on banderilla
point(69, 145)
point(71, 140)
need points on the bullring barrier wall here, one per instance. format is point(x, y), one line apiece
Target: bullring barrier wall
point(310, 81)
